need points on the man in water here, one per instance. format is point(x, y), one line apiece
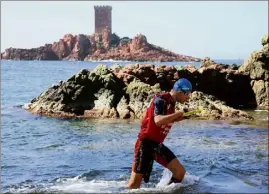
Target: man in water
point(156, 124)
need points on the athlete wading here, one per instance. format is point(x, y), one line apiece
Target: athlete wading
point(156, 124)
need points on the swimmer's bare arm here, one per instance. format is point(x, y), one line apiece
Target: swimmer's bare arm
point(166, 119)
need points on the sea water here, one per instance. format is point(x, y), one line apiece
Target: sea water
point(90, 156)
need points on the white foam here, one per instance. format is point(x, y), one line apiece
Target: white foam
point(167, 174)
point(162, 186)
point(22, 190)
point(80, 184)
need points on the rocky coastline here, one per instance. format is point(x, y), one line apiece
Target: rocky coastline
point(220, 91)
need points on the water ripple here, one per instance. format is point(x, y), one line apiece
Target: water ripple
point(40, 152)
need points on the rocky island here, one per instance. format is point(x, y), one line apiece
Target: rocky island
point(101, 45)
point(220, 91)
point(96, 47)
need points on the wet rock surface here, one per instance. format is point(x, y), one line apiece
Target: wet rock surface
point(125, 92)
point(220, 90)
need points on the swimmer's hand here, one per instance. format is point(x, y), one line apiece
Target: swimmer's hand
point(189, 112)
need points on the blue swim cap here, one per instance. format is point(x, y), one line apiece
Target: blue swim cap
point(183, 85)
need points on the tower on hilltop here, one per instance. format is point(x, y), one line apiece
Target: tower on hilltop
point(103, 18)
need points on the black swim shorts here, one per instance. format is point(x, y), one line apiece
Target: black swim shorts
point(146, 151)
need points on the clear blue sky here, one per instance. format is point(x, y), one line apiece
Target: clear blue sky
point(220, 30)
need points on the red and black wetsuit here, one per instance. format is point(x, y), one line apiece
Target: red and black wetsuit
point(149, 145)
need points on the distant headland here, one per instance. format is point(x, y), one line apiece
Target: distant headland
point(101, 45)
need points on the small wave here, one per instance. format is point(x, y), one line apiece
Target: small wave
point(237, 172)
point(162, 186)
point(229, 143)
point(18, 106)
point(64, 166)
point(188, 179)
point(27, 186)
point(50, 147)
point(261, 110)
point(110, 60)
point(8, 166)
point(91, 174)
point(80, 184)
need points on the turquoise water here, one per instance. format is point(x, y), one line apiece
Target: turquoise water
point(74, 155)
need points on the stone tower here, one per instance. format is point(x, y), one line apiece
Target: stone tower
point(103, 18)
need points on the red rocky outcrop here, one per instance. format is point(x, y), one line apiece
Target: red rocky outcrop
point(103, 46)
